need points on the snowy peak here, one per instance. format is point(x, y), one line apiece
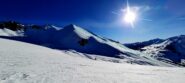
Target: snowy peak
point(70, 27)
point(74, 29)
point(52, 27)
point(79, 39)
point(177, 39)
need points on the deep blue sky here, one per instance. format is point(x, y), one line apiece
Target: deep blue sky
point(166, 17)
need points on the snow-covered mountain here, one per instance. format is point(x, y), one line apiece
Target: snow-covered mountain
point(171, 50)
point(11, 29)
point(76, 38)
point(72, 37)
point(28, 63)
point(29, 60)
point(9, 33)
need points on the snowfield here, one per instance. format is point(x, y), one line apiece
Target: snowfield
point(27, 63)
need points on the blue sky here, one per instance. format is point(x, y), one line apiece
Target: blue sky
point(165, 18)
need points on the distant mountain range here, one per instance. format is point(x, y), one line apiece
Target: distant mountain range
point(139, 45)
point(170, 50)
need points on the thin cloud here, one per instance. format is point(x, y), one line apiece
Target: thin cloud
point(146, 19)
point(116, 13)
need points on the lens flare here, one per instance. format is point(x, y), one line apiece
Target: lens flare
point(129, 15)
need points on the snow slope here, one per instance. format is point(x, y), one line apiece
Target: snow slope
point(27, 63)
point(8, 32)
point(171, 50)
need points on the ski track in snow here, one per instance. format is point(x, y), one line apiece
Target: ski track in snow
point(27, 63)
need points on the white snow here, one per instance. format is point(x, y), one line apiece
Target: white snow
point(170, 51)
point(27, 63)
point(8, 32)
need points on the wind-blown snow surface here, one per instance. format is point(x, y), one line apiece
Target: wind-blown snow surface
point(27, 63)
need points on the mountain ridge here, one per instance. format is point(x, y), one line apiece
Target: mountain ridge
point(170, 50)
point(76, 38)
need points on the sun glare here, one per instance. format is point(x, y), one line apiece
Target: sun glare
point(130, 17)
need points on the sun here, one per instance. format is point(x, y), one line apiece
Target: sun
point(130, 17)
